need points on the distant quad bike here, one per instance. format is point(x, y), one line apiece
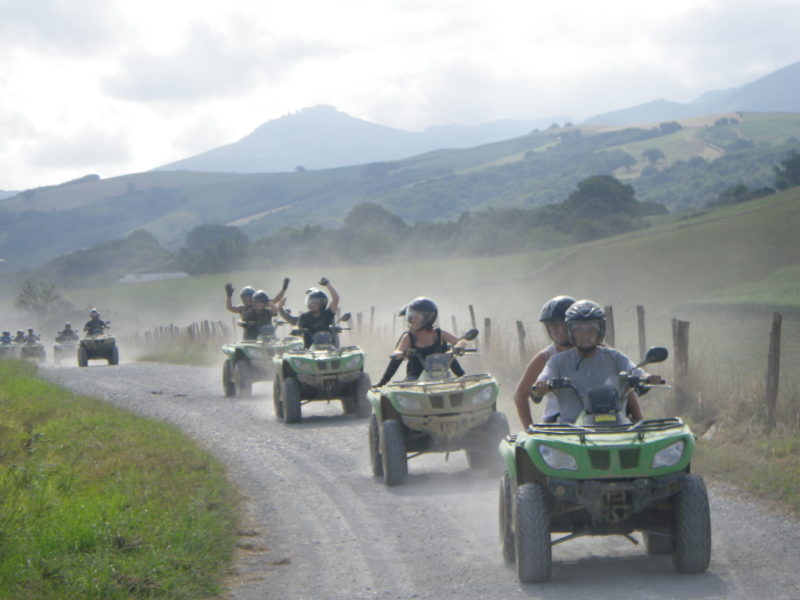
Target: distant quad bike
point(62, 350)
point(250, 361)
point(438, 412)
point(32, 351)
point(100, 346)
point(603, 476)
point(9, 351)
point(324, 371)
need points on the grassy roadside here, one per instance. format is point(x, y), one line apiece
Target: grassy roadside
point(766, 466)
point(96, 502)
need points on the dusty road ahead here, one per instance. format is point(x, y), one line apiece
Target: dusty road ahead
point(319, 526)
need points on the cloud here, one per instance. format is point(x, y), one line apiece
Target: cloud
point(90, 146)
point(212, 63)
point(75, 27)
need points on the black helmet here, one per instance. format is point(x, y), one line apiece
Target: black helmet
point(260, 296)
point(423, 306)
point(555, 308)
point(67, 326)
point(246, 292)
point(315, 294)
point(586, 310)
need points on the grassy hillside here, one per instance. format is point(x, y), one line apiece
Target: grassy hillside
point(536, 169)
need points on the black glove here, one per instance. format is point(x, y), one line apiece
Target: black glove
point(285, 283)
point(229, 289)
point(324, 281)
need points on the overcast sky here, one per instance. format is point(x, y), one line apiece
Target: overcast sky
point(113, 87)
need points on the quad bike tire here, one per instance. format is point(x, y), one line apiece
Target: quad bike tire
point(375, 458)
point(393, 453)
point(487, 456)
point(113, 358)
point(657, 545)
point(505, 520)
point(363, 407)
point(83, 357)
point(691, 551)
point(277, 403)
point(243, 379)
point(533, 549)
point(291, 400)
point(228, 386)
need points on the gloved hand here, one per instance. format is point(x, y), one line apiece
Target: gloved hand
point(229, 289)
point(285, 283)
point(324, 281)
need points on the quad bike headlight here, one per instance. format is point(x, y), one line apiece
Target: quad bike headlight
point(482, 397)
point(302, 366)
point(353, 362)
point(557, 459)
point(408, 402)
point(669, 456)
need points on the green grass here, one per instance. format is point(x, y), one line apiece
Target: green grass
point(98, 503)
point(767, 466)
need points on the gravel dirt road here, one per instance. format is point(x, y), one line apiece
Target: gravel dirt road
point(318, 525)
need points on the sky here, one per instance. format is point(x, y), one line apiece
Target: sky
point(111, 87)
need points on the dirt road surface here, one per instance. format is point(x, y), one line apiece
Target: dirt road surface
point(318, 525)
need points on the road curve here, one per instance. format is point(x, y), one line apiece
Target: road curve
point(318, 525)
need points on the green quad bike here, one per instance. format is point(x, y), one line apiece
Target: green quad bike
point(62, 350)
point(324, 371)
point(438, 412)
point(250, 361)
point(32, 351)
point(603, 476)
point(98, 346)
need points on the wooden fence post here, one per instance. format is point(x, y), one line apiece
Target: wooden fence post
point(474, 324)
point(359, 322)
point(773, 370)
point(610, 338)
point(680, 343)
point(455, 329)
point(523, 353)
point(487, 332)
point(371, 319)
point(642, 338)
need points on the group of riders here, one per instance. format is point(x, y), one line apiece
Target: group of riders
point(576, 329)
point(94, 326)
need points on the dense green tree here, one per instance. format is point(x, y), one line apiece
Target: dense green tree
point(653, 155)
point(787, 174)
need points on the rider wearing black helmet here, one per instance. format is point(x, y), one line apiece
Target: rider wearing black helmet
point(320, 314)
point(5, 338)
point(423, 338)
point(67, 335)
point(588, 363)
point(95, 325)
point(552, 318)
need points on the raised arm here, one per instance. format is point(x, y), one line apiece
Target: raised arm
point(334, 304)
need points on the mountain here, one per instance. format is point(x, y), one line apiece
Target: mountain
point(777, 92)
point(7, 194)
point(322, 137)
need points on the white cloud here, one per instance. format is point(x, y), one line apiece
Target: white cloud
point(90, 146)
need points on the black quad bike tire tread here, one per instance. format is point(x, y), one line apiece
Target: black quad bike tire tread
point(277, 403)
point(292, 408)
point(393, 455)
point(228, 387)
point(83, 357)
point(113, 358)
point(657, 545)
point(375, 458)
point(363, 407)
point(691, 551)
point(507, 548)
point(534, 553)
point(243, 379)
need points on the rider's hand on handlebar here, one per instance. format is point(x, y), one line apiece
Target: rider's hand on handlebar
point(657, 379)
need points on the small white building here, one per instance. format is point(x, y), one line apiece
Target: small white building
point(145, 277)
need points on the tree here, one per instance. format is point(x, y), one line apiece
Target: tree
point(653, 155)
point(601, 195)
point(788, 173)
point(39, 299)
point(669, 127)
